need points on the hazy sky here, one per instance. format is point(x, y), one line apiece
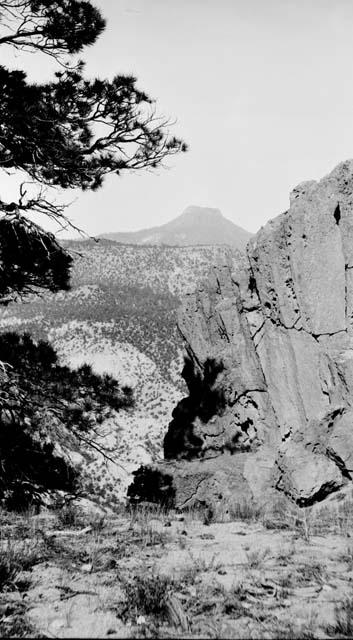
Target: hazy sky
point(262, 91)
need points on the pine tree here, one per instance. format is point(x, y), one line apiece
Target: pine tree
point(67, 133)
point(47, 410)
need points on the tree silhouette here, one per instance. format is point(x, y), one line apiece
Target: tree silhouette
point(67, 133)
point(70, 132)
point(53, 27)
point(46, 410)
point(30, 259)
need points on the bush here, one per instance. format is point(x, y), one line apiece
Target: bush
point(151, 485)
point(68, 516)
point(147, 595)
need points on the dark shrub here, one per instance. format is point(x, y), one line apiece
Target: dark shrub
point(150, 485)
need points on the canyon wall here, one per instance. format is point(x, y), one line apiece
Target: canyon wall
point(269, 363)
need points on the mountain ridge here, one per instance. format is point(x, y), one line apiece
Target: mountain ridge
point(193, 227)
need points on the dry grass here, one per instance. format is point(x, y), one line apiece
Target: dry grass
point(233, 604)
point(215, 594)
point(343, 625)
point(146, 594)
point(246, 511)
point(289, 629)
point(14, 622)
point(16, 557)
point(257, 557)
point(9, 568)
point(311, 571)
point(346, 555)
point(20, 550)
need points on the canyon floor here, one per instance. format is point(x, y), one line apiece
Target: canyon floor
point(277, 573)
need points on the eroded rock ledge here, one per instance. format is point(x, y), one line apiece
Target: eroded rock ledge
point(270, 361)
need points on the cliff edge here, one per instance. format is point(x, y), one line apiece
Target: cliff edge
point(269, 364)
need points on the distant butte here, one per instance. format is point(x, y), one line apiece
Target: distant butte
point(195, 226)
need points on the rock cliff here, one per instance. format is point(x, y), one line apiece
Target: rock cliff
point(269, 364)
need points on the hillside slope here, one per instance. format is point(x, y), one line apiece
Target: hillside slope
point(195, 226)
point(120, 317)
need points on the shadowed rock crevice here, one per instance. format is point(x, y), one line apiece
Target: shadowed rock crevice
point(205, 401)
point(337, 214)
point(332, 455)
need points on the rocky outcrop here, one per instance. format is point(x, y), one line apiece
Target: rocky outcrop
point(269, 363)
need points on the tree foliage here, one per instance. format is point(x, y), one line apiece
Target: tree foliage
point(53, 27)
point(73, 131)
point(49, 130)
point(30, 259)
point(46, 411)
point(66, 133)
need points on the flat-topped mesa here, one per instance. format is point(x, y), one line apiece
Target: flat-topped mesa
point(270, 361)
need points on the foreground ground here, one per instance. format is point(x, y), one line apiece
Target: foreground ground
point(282, 573)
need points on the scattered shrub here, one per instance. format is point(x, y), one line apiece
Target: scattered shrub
point(312, 571)
point(68, 516)
point(256, 557)
point(151, 485)
point(15, 558)
point(343, 626)
point(9, 568)
point(147, 595)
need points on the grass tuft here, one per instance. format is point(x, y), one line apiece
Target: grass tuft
point(147, 595)
point(343, 626)
point(256, 557)
point(15, 558)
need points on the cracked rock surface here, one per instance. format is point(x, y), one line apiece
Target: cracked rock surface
point(270, 360)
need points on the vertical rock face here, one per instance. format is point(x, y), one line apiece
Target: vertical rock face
point(270, 360)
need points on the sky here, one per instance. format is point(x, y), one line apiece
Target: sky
point(261, 90)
